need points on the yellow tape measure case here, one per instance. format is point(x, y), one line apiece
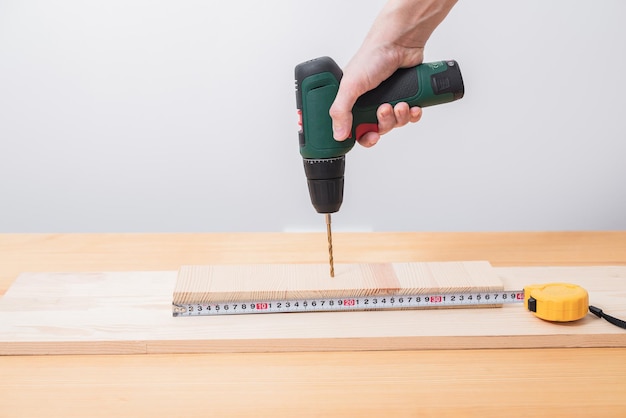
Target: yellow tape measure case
point(559, 302)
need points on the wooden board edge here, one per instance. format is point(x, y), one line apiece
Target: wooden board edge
point(389, 344)
point(315, 345)
point(37, 348)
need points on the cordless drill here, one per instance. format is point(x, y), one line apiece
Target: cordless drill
point(317, 83)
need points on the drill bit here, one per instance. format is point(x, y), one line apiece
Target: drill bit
point(330, 246)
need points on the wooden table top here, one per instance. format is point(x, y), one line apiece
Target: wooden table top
point(492, 382)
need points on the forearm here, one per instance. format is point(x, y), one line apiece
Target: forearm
point(407, 25)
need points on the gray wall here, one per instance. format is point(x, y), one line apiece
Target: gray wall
point(137, 115)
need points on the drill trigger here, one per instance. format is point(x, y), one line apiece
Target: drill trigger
point(364, 128)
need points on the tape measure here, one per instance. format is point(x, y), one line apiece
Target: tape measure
point(561, 302)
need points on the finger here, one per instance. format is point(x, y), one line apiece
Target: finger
point(386, 118)
point(369, 139)
point(341, 114)
point(341, 109)
point(402, 113)
point(415, 114)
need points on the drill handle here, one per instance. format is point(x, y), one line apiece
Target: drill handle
point(423, 85)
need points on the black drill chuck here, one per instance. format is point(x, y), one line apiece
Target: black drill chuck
point(325, 181)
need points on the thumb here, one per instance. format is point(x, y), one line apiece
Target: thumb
point(341, 109)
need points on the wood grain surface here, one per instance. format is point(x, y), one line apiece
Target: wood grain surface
point(130, 313)
point(555, 382)
point(246, 282)
point(159, 252)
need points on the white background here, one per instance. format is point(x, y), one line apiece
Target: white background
point(173, 116)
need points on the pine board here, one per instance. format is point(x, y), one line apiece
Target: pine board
point(130, 312)
point(246, 282)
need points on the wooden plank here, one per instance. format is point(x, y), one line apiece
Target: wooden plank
point(130, 312)
point(246, 282)
point(164, 252)
point(555, 383)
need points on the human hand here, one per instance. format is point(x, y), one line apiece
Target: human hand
point(396, 40)
point(360, 76)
